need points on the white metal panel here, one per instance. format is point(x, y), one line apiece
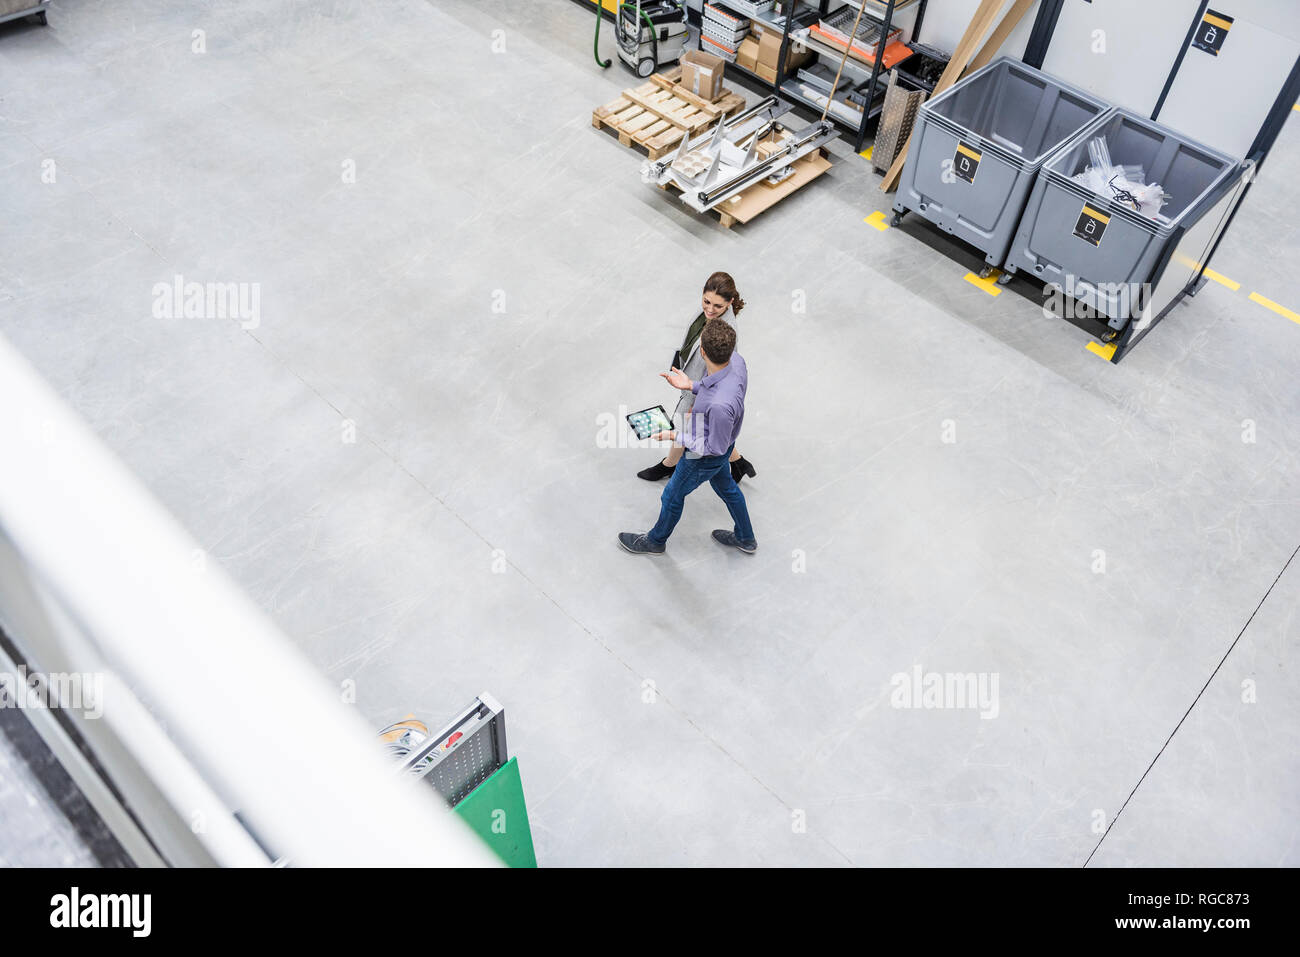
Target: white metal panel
point(1280, 16)
point(1222, 100)
point(946, 20)
point(1120, 50)
point(224, 680)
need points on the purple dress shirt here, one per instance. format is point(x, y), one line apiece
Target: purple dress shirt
point(714, 422)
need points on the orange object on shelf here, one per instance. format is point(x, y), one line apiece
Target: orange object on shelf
point(895, 51)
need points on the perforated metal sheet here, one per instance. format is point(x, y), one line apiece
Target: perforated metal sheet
point(467, 766)
point(466, 752)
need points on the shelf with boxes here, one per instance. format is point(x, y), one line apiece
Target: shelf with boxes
point(795, 48)
point(721, 31)
point(749, 37)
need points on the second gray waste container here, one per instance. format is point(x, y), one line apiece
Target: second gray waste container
point(1099, 249)
point(977, 147)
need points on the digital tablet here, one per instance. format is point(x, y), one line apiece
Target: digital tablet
point(649, 421)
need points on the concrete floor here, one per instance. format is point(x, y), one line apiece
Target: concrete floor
point(497, 279)
point(47, 820)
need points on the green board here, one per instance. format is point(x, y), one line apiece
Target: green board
point(497, 813)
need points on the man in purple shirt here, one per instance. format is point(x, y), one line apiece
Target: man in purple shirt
point(708, 436)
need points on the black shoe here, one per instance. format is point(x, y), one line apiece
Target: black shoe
point(639, 544)
point(725, 536)
point(740, 468)
point(656, 472)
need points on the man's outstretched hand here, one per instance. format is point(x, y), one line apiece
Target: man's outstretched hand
point(678, 379)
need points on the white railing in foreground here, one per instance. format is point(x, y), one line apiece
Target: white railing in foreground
point(96, 577)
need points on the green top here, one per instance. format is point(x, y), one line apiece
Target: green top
point(692, 334)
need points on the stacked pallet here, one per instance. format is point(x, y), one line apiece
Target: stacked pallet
point(657, 114)
point(765, 194)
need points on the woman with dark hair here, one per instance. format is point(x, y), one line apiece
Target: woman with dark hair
point(719, 296)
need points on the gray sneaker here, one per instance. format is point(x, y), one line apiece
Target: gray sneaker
point(639, 544)
point(726, 537)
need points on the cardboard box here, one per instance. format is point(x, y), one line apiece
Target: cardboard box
point(747, 55)
point(702, 73)
point(766, 72)
point(769, 49)
point(769, 52)
point(797, 57)
point(770, 145)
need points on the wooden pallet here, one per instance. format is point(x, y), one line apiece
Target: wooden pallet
point(657, 114)
point(748, 203)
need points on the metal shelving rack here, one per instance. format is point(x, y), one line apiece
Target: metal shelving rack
point(853, 69)
point(822, 7)
point(814, 9)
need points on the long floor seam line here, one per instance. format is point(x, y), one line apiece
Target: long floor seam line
point(1190, 707)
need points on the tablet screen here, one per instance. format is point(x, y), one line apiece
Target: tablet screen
point(649, 421)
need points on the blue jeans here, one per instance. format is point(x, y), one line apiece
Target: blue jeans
point(689, 475)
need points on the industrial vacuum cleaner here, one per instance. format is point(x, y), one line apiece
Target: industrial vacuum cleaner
point(650, 34)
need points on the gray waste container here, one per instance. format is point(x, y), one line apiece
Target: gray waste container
point(977, 147)
point(1098, 249)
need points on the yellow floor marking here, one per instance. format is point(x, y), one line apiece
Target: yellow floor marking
point(989, 285)
point(1280, 310)
point(877, 219)
point(1222, 279)
point(866, 153)
point(1105, 350)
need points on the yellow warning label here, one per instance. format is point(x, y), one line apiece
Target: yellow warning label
point(1100, 217)
point(961, 148)
point(1219, 22)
